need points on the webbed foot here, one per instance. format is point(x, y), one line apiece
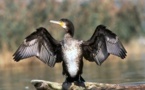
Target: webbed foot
point(80, 82)
point(66, 85)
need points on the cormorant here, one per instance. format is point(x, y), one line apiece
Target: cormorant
point(70, 51)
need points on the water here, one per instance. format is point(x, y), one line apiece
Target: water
point(18, 77)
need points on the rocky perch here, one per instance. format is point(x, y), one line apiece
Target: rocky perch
point(47, 85)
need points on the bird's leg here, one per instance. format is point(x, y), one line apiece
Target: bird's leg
point(80, 81)
point(66, 84)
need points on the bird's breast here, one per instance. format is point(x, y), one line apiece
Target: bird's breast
point(72, 55)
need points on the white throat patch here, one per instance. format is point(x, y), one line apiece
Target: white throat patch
point(64, 26)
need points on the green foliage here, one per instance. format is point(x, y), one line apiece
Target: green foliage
point(18, 18)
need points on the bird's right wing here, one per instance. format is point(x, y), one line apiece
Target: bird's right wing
point(42, 45)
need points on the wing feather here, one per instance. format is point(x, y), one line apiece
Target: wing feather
point(103, 43)
point(40, 44)
point(116, 49)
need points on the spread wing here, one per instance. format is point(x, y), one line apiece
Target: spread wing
point(42, 45)
point(103, 43)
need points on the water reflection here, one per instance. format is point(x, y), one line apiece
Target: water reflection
point(120, 71)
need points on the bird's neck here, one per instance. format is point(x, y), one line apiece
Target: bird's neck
point(69, 31)
point(68, 36)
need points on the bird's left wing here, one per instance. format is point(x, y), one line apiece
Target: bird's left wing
point(102, 43)
point(42, 45)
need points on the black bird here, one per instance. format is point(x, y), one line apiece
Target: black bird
point(70, 51)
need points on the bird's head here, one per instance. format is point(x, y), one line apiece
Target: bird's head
point(66, 24)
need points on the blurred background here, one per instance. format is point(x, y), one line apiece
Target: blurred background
point(19, 18)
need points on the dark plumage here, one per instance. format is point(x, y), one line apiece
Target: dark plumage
point(70, 51)
point(101, 45)
point(42, 45)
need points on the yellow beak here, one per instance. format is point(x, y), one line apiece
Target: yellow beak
point(62, 24)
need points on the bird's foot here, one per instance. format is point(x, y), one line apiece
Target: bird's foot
point(80, 82)
point(66, 85)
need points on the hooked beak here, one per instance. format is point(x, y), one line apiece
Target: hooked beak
point(62, 24)
point(56, 22)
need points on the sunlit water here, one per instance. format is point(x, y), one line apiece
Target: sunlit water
point(120, 71)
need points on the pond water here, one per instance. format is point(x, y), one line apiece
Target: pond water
point(18, 77)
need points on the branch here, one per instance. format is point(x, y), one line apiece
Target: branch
point(47, 85)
